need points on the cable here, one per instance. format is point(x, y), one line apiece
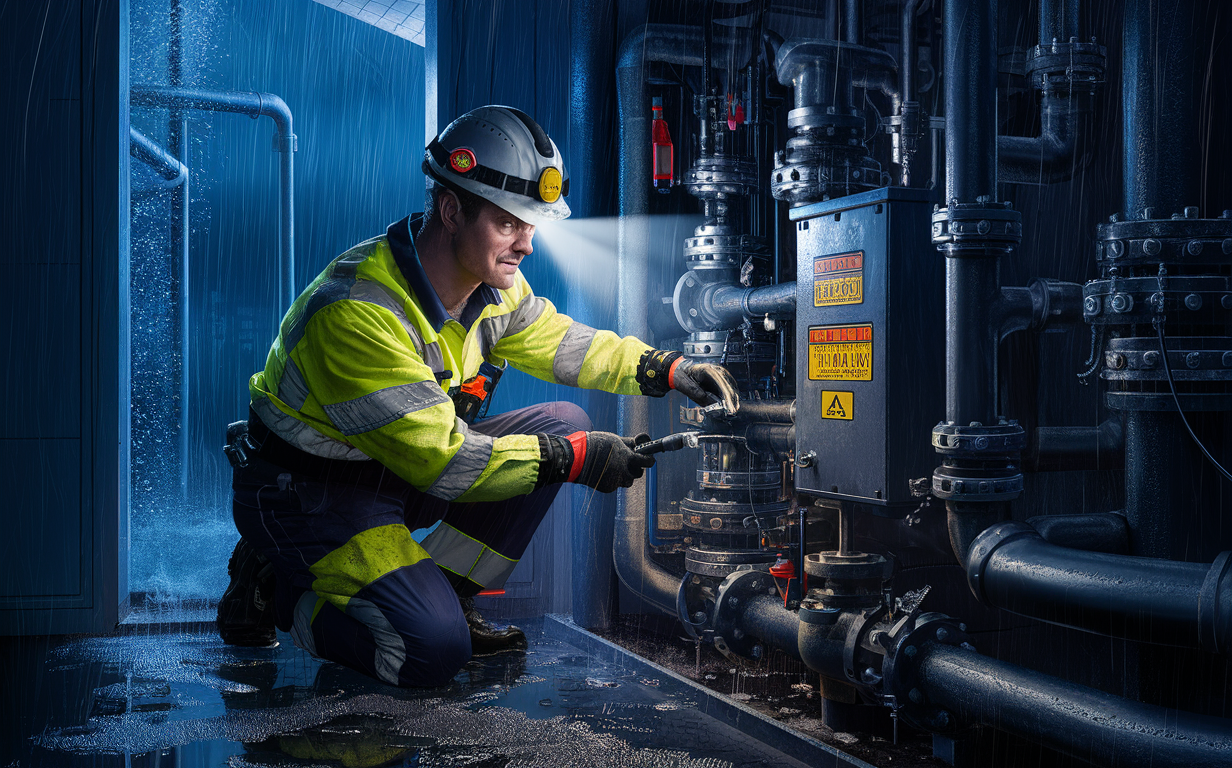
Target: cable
point(1163, 350)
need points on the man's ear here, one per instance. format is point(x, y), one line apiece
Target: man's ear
point(450, 208)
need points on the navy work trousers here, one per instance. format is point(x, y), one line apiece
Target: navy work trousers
point(354, 587)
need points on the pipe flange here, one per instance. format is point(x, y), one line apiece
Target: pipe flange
point(856, 566)
point(719, 250)
point(806, 118)
point(1183, 239)
point(983, 547)
point(900, 670)
point(733, 597)
point(718, 176)
point(970, 229)
point(813, 169)
point(722, 563)
point(1069, 66)
point(1190, 358)
point(725, 517)
point(1196, 299)
point(976, 484)
point(977, 441)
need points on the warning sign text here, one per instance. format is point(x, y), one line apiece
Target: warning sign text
point(841, 353)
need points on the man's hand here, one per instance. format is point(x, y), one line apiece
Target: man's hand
point(704, 383)
point(661, 370)
point(602, 460)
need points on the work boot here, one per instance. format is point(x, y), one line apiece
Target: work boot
point(486, 638)
point(246, 610)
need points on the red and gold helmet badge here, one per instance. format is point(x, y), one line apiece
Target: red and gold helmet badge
point(462, 160)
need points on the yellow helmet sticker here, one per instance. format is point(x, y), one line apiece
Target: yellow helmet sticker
point(549, 185)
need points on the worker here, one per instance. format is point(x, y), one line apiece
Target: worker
point(362, 425)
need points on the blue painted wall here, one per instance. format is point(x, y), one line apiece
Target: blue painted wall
point(356, 93)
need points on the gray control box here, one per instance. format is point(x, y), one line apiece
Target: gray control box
point(870, 345)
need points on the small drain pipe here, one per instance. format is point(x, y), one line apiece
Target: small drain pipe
point(168, 167)
point(1088, 724)
point(254, 105)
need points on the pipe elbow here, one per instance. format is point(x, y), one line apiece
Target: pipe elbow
point(273, 107)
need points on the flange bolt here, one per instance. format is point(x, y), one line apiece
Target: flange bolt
point(1193, 359)
point(1150, 358)
point(1193, 301)
point(1227, 359)
point(1194, 247)
point(1150, 246)
point(1090, 305)
point(1122, 302)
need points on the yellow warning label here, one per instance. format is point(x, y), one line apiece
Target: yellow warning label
point(837, 405)
point(841, 352)
point(838, 279)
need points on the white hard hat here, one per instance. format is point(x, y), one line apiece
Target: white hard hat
point(503, 156)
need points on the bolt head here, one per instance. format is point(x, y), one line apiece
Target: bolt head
point(1090, 305)
point(1116, 361)
point(943, 719)
point(1226, 301)
point(942, 634)
point(1194, 248)
point(1122, 302)
point(1193, 302)
point(983, 226)
point(1150, 246)
point(1227, 359)
point(1150, 358)
point(1115, 249)
point(1191, 211)
point(1193, 359)
point(910, 651)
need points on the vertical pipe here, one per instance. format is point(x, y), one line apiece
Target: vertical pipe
point(852, 23)
point(177, 135)
point(1058, 20)
point(1159, 107)
point(972, 283)
point(970, 102)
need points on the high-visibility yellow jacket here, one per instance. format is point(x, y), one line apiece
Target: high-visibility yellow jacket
point(366, 354)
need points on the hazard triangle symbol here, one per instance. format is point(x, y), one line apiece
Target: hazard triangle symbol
point(836, 409)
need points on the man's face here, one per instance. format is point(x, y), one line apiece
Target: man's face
point(492, 245)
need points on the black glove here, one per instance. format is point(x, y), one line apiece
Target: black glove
point(704, 383)
point(602, 460)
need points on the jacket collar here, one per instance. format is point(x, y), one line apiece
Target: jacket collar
point(402, 245)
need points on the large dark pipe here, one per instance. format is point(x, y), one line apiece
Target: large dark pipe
point(972, 284)
point(767, 619)
point(1012, 567)
point(1091, 725)
point(592, 124)
point(254, 105)
point(1094, 532)
point(906, 67)
point(1159, 107)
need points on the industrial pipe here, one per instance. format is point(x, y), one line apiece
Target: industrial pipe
point(1067, 449)
point(1091, 725)
point(673, 44)
point(254, 105)
point(168, 167)
point(1043, 306)
point(1012, 567)
point(732, 304)
point(1095, 532)
point(809, 66)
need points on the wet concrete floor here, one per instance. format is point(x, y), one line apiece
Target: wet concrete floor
point(184, 699)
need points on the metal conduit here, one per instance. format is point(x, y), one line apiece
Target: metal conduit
point(254, 105)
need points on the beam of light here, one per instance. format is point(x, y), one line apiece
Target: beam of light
point(585, 250)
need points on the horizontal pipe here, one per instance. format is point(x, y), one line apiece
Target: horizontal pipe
point(166, 164)
point(1091, 725)
point(1052, 156)
point(1043, 306)
point(767, 411)
point(777, 439)
point(1077, 448)
point(734, 303)
point(1010, 566)
point(1097, 532)
point(766, 619)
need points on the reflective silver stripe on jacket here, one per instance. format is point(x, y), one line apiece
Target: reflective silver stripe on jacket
point(465, 467)
point(493, 329)
point(292, 389)
point(455, 551)
point(567, 365)
point(376, 409)
point(303, 436)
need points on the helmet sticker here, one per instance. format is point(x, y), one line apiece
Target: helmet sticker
point(462, 160)
point(549, 185)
